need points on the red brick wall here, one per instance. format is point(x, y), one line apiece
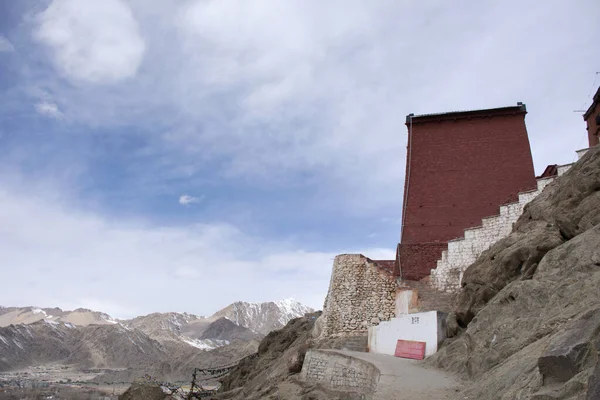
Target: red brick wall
point(461, 170)
point(590, 116)
point(417, 260)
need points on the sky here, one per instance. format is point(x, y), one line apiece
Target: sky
point(181, 155)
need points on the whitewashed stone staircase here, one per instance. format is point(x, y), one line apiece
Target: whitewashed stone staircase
point(462, 252)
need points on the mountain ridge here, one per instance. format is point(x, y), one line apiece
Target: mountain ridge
point(155, 343)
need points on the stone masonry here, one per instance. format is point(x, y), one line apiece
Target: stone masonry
point(339, 372)
point(464, 251)
point(361, 293)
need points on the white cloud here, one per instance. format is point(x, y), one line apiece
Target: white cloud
point(186, 200)
point(92, 41)
point(5, 45)
point(49, 109)
point(321, 90)
point(57, 255)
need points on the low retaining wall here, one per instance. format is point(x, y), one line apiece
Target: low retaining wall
point(425, 327)
point(339, 372)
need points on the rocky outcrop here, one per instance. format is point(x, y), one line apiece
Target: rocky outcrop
point(528, 314)
point(571, 350)
point(144, 391)
point(280, 354)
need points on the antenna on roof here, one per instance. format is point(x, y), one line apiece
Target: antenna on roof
point(591, 90)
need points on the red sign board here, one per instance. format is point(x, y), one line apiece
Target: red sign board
point(410, 349)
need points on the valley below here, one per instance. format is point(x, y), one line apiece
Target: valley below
point(50, 352)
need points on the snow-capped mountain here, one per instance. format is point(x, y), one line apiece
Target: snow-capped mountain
point(155, 343)
point(29, 315)
point(171, 321)
point(263, 317)
point(249, 321)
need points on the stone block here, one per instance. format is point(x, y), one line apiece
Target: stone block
point(339, 372)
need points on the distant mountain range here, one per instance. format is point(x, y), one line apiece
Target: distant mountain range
point(258, 317)
point(160, 343)
point(29, 315)
point(263, 317)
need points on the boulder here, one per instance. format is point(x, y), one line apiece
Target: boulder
point(144, 391)
point(572, 350)
point(452, 327)
point(296, 359)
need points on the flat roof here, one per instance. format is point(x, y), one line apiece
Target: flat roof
point(520, 108)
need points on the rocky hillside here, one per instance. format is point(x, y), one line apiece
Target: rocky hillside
point(263, 317)
point(93, 346)
point(527, 320)
point(273, 374)
point(260, 377)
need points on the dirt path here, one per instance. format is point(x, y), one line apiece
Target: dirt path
point(403, 379)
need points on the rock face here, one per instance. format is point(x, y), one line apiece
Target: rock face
point(528, 314)
point(594, 384)
point(572, 350)
point(360, 295)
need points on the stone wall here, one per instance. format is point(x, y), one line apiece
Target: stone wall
point(339, 372)
point(464, 251)
point(361, 293)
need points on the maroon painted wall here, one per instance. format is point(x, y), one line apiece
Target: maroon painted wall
point(460, 168)
point(592, 119)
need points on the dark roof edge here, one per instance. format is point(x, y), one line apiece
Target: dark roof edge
point(520, 108)
point(595, 100)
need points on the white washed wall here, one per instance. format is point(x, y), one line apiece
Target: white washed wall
point(464, 251)
point(423, 327)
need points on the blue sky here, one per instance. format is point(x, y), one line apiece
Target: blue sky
point(178, 156)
